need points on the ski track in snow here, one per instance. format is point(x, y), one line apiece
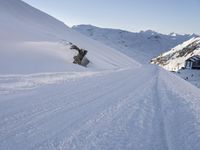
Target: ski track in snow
point(128, 109)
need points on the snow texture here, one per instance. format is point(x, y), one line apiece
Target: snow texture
point(48, 103)
point(123, 109)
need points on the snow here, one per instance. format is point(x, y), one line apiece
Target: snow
point(172, 60)
point(141, 46)
point(192, 76)
point(34, 42)
point(49, 103)
point(125, 109)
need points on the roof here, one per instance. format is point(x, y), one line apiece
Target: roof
point(194, 58)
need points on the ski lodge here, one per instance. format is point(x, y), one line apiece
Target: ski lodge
point(193, 62)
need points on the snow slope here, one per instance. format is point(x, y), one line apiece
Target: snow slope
point(138, 109)
point(33, 42)
point(174, 60)
point(141, 46)
point(48, 103)
point(192, 76)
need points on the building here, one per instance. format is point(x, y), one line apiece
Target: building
point(193, 62)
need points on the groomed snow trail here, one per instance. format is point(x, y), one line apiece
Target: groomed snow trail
point(140, 109)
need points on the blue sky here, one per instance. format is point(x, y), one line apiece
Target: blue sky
point(181, 16)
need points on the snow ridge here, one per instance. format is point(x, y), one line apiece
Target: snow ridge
point(141, 46)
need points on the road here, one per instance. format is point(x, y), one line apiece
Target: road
point(141, 109)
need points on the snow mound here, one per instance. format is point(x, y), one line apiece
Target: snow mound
point(33, 42)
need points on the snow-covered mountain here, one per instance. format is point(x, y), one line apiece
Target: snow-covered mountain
point(32, 41)
point(49, 103)
point(142, 46)
point(175, 59)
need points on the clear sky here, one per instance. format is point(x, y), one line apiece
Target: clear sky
point(180, 16)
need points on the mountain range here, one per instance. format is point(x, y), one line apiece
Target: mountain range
point(141, 46)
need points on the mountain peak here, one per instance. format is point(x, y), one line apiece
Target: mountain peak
point(149, 32)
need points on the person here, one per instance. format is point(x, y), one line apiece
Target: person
point(78, 59)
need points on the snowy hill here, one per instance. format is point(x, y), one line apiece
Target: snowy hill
point(142, 46)
point(49, 103)
point(32, 42)
point(174, 59)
